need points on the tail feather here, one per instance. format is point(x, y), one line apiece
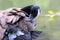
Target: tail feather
point(35, 34)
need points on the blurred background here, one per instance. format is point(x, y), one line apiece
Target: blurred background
point(49, 19)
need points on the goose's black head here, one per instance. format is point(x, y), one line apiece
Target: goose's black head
point(32, 11)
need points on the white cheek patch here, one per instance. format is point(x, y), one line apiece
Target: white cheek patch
point(12, 36)
point(38, 12)
point(19, 33)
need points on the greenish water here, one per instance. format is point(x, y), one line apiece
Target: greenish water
point(51, 29)
point(4, 4)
